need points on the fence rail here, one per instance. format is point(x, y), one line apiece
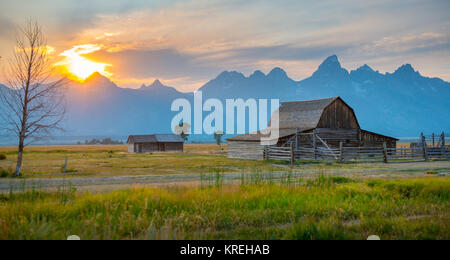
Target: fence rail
point(355, 153)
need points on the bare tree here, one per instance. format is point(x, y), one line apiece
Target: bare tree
point(34, 102)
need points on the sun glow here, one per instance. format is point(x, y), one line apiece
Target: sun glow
point(78, 67)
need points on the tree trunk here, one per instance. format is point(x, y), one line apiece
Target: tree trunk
point(19, 158)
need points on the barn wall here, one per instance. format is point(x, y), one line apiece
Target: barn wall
point(349, 138)
point(174, 146)
point(245, 150)
point(333, 137)
point(149, 147)
point(154, 147)
point(338, 115)
point(131, 148)
point(371, 139)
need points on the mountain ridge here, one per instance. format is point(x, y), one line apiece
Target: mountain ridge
point(401, 103)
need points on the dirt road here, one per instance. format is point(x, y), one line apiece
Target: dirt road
point(104, 184)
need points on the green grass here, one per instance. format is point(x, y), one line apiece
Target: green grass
point(6, 173)
point(256, 208)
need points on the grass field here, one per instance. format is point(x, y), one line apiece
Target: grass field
point(47, 161)
point(323, 208)
point(222, 198)
point(102, 161)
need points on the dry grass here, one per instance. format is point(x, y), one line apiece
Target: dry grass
point(104, 161)
point(46, 161)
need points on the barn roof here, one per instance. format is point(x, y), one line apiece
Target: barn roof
point(385, 136)
point(304, 114)
point(169, 138)
point(156, 138)
point(256, 136)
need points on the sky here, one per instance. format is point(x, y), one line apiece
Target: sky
point(187, 43)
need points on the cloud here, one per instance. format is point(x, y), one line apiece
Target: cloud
point(186, 42)
point(412, 43)
point(168, 63)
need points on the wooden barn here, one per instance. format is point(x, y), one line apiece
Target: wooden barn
point(325, 122)
point(155, 143)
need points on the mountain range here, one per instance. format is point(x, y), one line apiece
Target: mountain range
point(401, 104)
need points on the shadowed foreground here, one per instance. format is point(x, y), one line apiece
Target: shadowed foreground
point(321, 208)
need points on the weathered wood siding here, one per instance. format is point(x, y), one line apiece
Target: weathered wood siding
point(348, 137)
point(154, 147)
point(369, 139)
point(149, 147)
point(338, 115)
point(245, 150)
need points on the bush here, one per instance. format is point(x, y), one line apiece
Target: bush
point(5, 173)
point(2, 156)
point(324, 181)
point(341, 179)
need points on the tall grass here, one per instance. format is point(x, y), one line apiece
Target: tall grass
point(258, 208)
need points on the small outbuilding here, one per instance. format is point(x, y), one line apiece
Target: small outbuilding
point(323, 122)
point(155, 143)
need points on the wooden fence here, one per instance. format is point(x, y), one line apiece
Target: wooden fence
point(342, 154)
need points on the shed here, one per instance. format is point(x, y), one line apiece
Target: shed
point(155, 143)
point(307, 123)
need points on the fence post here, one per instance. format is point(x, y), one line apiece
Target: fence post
point(341, 149)
point(443, 145)
point(296, 138)
point(432, 136)
point(424, 147)
point(265, 153)
point(385, 153)
point(65, 165)
point(314, 144)
point(292, 154)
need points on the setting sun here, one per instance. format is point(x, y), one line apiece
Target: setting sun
point(77, 67)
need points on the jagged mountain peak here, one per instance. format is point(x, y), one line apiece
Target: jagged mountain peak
point(406, 69)
point(330, 67)
point(96, 77)
point(365, 67)
point(258, 74)
point(230, 75)
point(365, 73)
point(277, 73)
point(156, 84)
point(158, 88)
point(98, 80)
point(333, 59)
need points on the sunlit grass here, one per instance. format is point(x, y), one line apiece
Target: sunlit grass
point(257, 208)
